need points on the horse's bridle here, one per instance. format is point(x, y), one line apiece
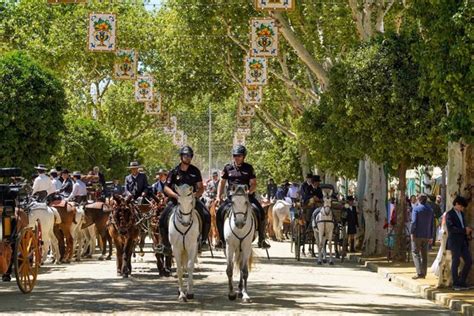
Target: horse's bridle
point(180, 217)
point(241, 239)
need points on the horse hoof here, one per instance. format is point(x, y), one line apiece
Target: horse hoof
point(325, 261)
point(320, 263)
point(232, 297)
point(125, 276)
point(331, 263)
point(182, 298)
point(101, 258)
point(239, 295)
point(119, 274)
point(108, 258)
point(190, 296)
point(89, 256)
point(246, 300)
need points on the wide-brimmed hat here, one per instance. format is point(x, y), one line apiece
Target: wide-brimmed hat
point(134, 164)
point(41, 167)
point(162, 171)
point(76, 174)
point(316, 178)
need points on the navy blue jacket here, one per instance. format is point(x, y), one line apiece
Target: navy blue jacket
point(457, 237)
point(422, 219)
point(136, 185)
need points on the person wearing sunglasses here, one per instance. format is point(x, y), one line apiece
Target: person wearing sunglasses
point(240, 173)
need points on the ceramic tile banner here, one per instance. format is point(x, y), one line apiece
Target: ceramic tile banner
point(246, 110)
point(163, 119)
point(263, 37)
point(102, 32)
point(253, 94)
point(274, 5)
point(255, 71)
point(144, 89)
point(125, 65)
point(239, 139)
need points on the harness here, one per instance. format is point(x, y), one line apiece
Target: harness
point(324, 221)
point(241, 239)
point(183, 234)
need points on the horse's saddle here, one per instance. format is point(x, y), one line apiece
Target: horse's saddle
point(99, 206)
point(58, 203)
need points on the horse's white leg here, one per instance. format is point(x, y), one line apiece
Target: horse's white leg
point(179, 271)
point(230, 269)
point(54, 247)
point(244, 274)
point(276, 226)
point(330, 249)
point(320, 246)
point(190, 263)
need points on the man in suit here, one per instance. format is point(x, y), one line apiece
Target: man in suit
point(136, 183)
point(421, 235)
point(458, 236)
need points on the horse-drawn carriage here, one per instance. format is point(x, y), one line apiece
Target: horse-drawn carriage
point(19, 244)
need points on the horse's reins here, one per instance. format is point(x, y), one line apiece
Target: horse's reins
point(189, 227)
point(241, 239)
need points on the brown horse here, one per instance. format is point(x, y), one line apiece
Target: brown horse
point(213, 232)
point(268, 208)
point(98, 213)
point(124, 231)
point(67, 212)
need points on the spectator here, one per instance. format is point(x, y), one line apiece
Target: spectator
point(421, 235)
point(458, 242)
point(352, 222)
point(160, 179)
point(101, 176)
point(271, 189)
point(293, 192)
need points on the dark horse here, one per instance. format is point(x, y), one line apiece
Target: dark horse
point(124, 231)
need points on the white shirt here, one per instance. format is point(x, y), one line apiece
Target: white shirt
point(458, 213)
point(57, 184)
point(293, 192)
point(43, 183)
point(78, 189)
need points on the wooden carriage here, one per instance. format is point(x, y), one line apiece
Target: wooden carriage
point(19, 245)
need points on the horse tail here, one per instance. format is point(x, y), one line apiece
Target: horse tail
point(57, 217)
point(184, 259)
point(238, 260)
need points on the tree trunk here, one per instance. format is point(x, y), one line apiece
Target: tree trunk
point(460, 181)
point(304, 162)
point(401, 211)
point(373, 207)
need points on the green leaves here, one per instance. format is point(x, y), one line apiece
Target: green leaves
point(32, 102)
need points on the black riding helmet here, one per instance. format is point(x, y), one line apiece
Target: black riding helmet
point(239, 150)
point(186, 150)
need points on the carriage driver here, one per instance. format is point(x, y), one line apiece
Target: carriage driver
point(240, 172)
point(184, 173)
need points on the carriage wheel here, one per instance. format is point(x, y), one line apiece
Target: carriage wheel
point(26, 260)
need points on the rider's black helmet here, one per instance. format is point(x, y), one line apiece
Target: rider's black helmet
point(239, 150)
point(186, 150)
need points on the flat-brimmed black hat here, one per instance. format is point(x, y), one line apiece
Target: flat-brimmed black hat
point(41, 167)
point(316, 178)
point(134, 164)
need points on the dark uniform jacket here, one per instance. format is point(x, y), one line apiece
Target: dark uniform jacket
point(176, 177)
point(238, 174)
point(135, 186)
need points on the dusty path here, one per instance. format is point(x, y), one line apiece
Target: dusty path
point(280, 285)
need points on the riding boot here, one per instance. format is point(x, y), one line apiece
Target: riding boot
point(166, 243)
point(220, 228)
point(205, 235)
point(261, 234)
point(352, 245)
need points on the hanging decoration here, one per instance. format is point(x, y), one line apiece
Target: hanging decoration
point(144, 89)
point(163, 119)
point(253, 94)
point(66, 1)
point(246, 110)
point(263, 37)
point(102, 32)
point(239, 139)
point(274, 5)
point(255, 71)
point(125, 66)
point(154, 107)
point(178, 138)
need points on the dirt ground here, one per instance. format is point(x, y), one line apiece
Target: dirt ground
point(277, 286)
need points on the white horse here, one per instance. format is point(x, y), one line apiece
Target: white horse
point(280, 212)
point(78, 233)
point(184, 232)
point(47, 217)
point(239, 233)
point(323, 227)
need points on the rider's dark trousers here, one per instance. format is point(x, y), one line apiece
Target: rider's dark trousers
point(200, 208)
point(260, 212)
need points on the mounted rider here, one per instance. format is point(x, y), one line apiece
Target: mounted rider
point(79, 190)
point(184, 173)
point(159, 185)
point(66, 188)
point(136, 183)
point(240, 172)
point(43, 187)
point(212, 185)
point(311, 189)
